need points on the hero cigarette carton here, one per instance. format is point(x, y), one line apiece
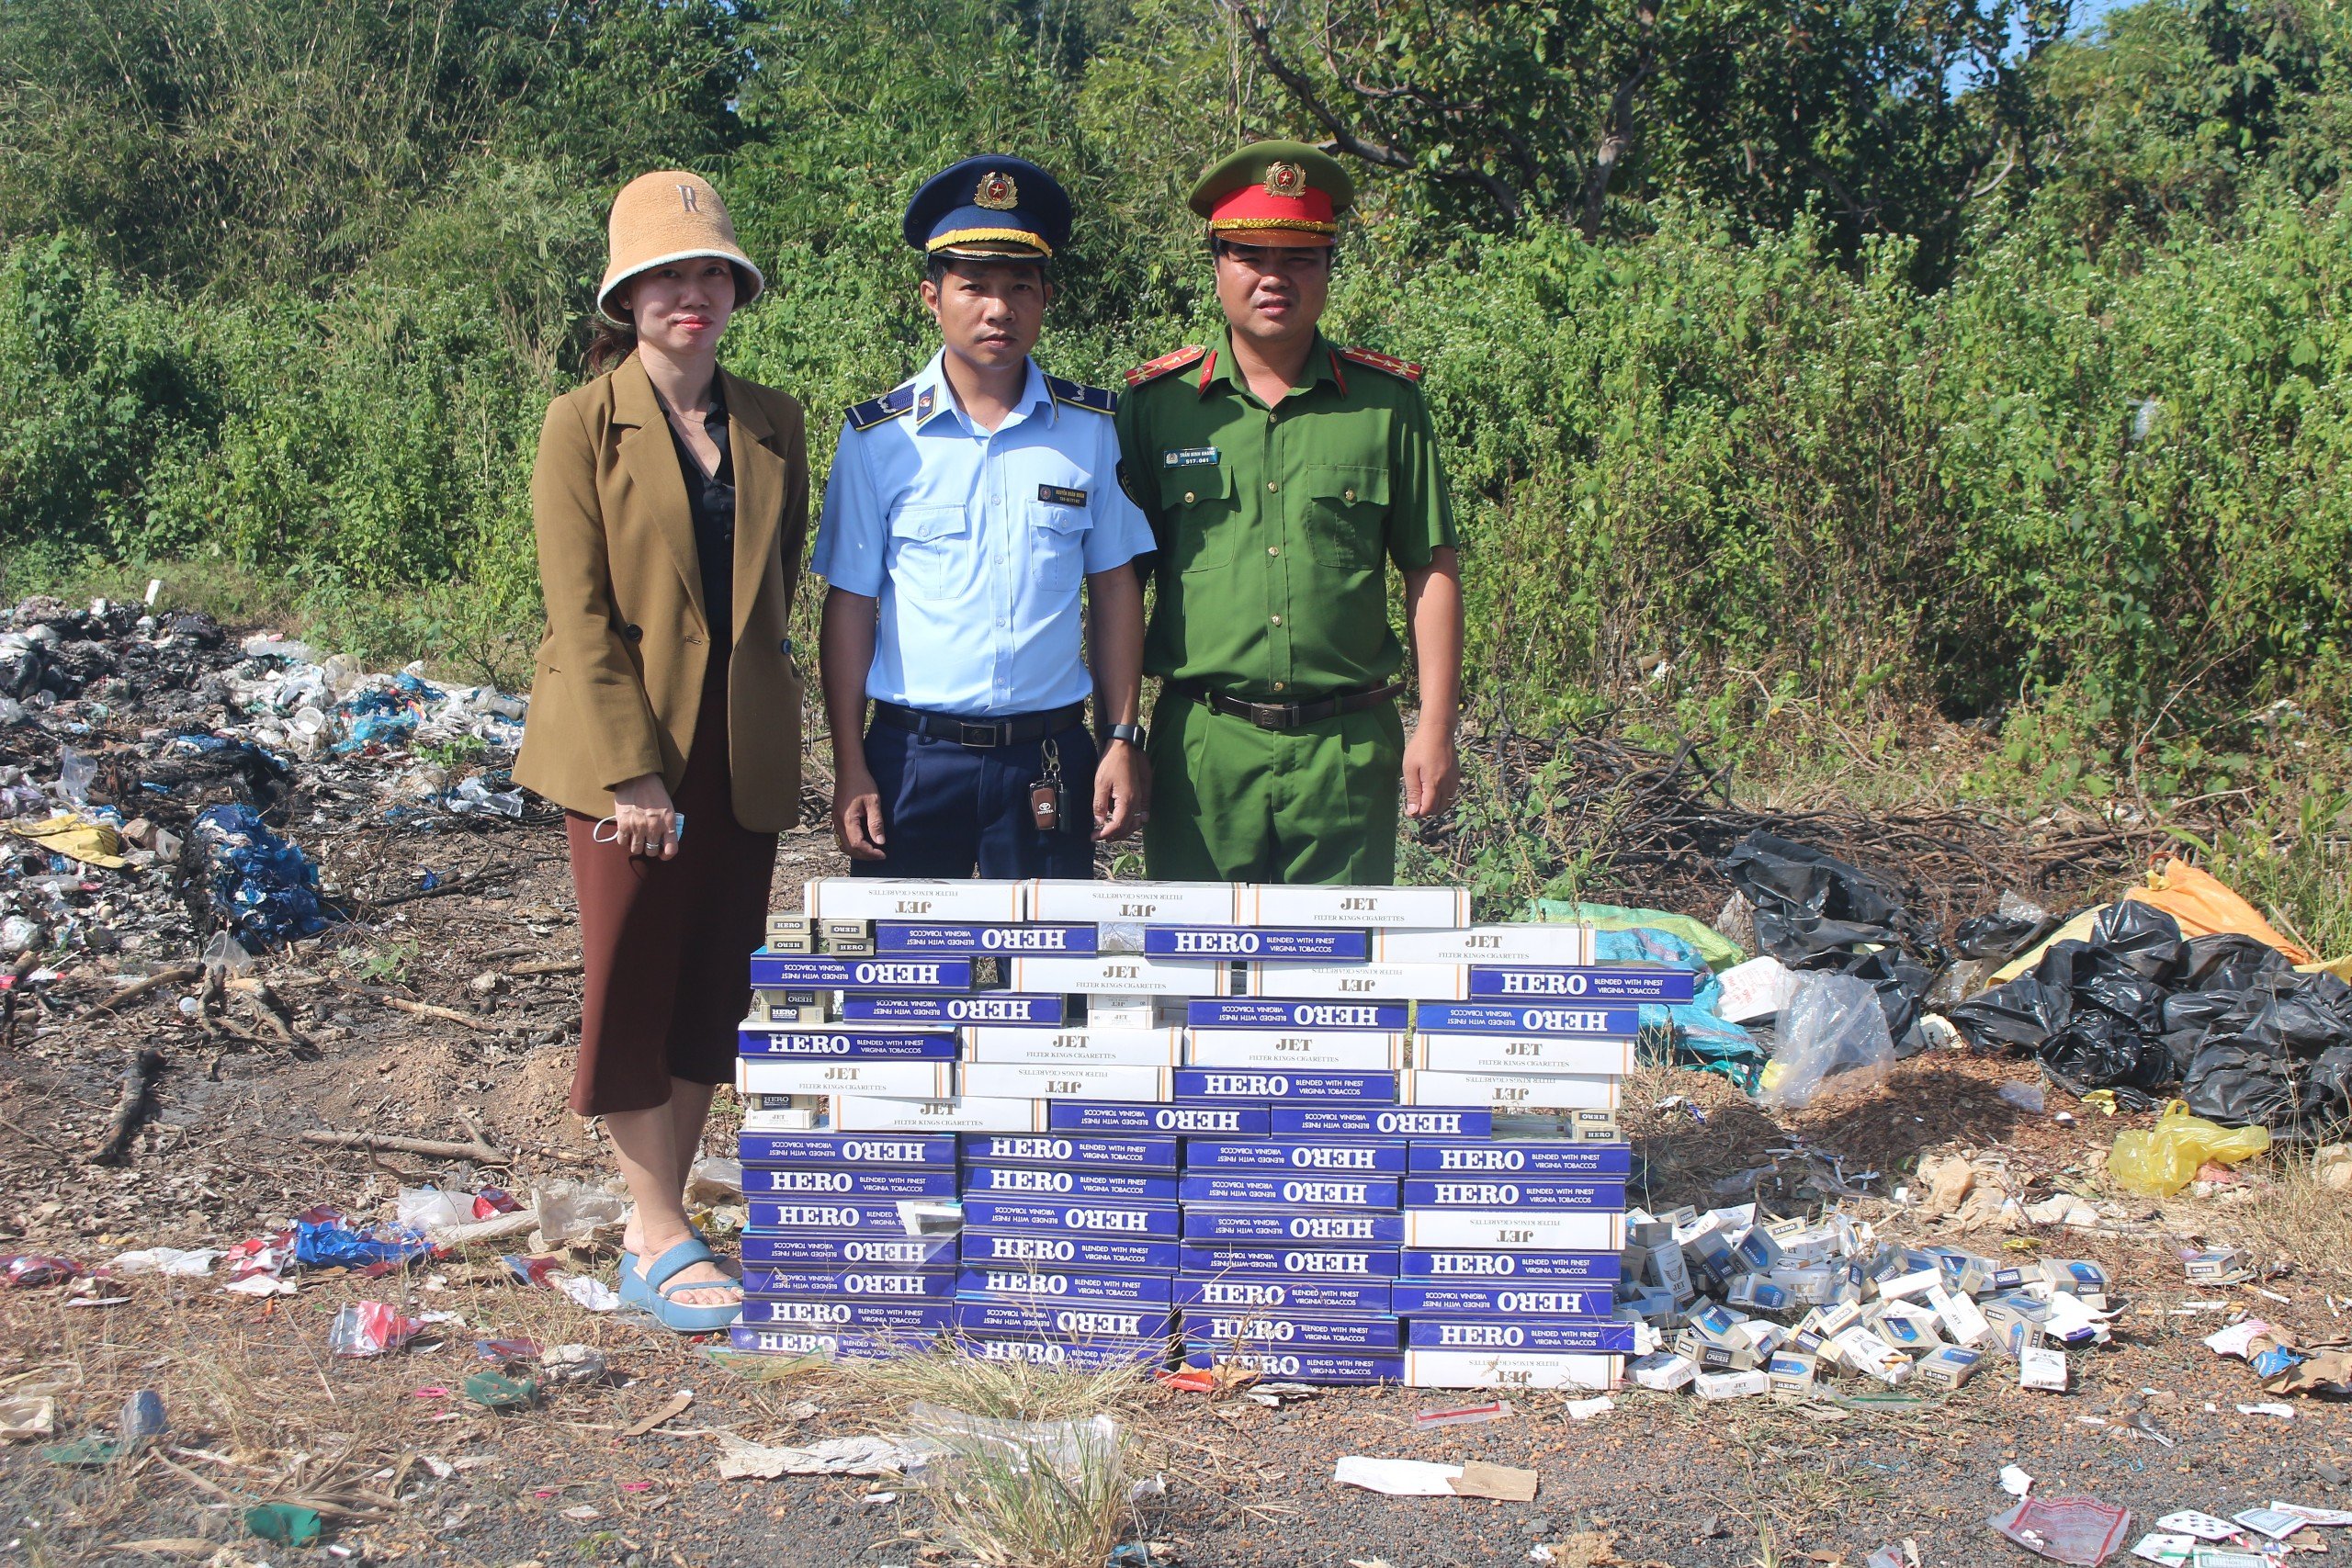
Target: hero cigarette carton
point(1143, 1153)
point(897, 1285)
point(1541, 944)
point(1291, 1120)
point(1346, 982)
point(949, 1012)
point(1142, 1221)
point(1289, 1189)
point(1293, 1293)
point(904, 1217)
point(844, 1044)
point(1090, 1046)
point(1068, 1250)
point(894, 939)
point(1513, 1193)
point(816, 1342)
point(1513, 1091)
point(1117, 1186)
point(1300, 1366)
point(867, 1254)
point(1553, 1336)
point(777, 971)
point(1526, 1017)
point(800, 1182)
point(844, 1148)
point(817, 1074)
point(1790, 1375)
point(834, 1311)
point(1079, 1356)
point(913, 898)
point(1276, 904)
point(1487, 1298)
point(1124, 974)
point(1143, 903)
point(1237, 1226)
point(1532, 1157)
point(1383, 1156)
point(1082, 1116)
point(1591, 1268)
point(794, 997)
point(1616, 983)
point(1507, 1369)
point(1948, 1366)
point(846, 938)
point(1331, 1051)
point(1076, 1287)
point(868, 1112)
point(1256, 944)
point(1067, 1080)
point(1249, 1329)
point(1307, 1262)
point(1298, 1017)
point(1505, 1230)
point(1061, 1320)
point(792, 934)
point(1248, 1084)
point(1522, 1053)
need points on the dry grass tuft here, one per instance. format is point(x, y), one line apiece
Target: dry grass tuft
point(2292, 1217)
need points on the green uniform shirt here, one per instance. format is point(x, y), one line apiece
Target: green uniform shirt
point(1274, 526)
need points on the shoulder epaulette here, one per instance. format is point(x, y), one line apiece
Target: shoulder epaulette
point(1081, 395)
point(876, 410)
point(1151, 370)
point(1395, 366)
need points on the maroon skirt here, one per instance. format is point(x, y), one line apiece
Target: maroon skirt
point(665, 945)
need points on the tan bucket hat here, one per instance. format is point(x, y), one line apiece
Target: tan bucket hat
point(669, 215)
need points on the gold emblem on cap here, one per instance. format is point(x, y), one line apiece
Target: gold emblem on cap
point(1284, 179)
point(997, 192)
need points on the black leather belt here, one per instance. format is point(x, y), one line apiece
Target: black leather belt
point(1017, 730)
point(1286, 715)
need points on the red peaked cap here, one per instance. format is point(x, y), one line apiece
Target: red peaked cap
point(1274, 193)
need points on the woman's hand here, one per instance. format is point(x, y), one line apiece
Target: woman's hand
point(644, 822)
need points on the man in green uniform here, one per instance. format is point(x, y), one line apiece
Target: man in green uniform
point(1281, 476)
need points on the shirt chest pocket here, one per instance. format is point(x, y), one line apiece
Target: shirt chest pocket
point(929, 545)
point(1058, 543)
point(1346, 516)
point(1203, 523)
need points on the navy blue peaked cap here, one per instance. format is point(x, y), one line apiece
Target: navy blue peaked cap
point(991, 206)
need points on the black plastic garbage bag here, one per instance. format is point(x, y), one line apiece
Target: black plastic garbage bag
point(2325, 1096)
point(2001, 937)
point(2019, 1014)
point(2188, 1016)
point(2097, 1049)
point(2227, 962)
point(2145, 937)
point(1808, 902)
point(2239, 1088)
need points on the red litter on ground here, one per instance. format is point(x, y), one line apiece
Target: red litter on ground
point(2081, 1531)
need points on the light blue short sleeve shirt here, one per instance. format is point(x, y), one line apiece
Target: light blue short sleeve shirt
point(976, 542)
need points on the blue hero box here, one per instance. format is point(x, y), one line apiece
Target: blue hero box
point(1156, 1221)
point(1522, 1156)
point(1119, 1186)
point(821, 1251)
point(1145, 1153)
point(1280, 1224)
point(1031, 1249)
point(800, 1214)
point(1061, 1320)
point(1242, 1083)
point(816, 1342)
point(1527, 1268)
point(1256, 1330)
point(1305, 1262)
point(800, 1182)
point(1480, 1298)
point(1080, 1356)
point(1261, 1013)
point(896, 938)
point(1526, 1017)
point(846, 1148)
point(1083, 1287)
point(775, 970)
point(842, 1312)
point(995, 1007)
point(934, 1045)
point(1622, 983)
point(1300, 1366)
point(1118, 1116)
point(1383, 1157)
point(1293, 1293)
point(1255, 943)
point(897, 1285)
point(1559, 1337)
point(1512, 1192)
point(1293, 1190)
point(1414, 1121)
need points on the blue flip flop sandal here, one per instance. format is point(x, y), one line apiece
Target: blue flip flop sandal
point(680, 1317)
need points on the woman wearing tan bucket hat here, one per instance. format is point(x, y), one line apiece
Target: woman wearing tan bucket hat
point(670, 500)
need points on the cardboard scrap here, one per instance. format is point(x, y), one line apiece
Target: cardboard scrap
point(835, 1456)
point(1480, 1479)
point(1397, 1477)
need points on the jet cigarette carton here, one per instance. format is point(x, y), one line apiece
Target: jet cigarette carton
point(868, 1112)
point(1503, 1230)
point(1307, 1262)
point(1291, 1017)
point(1227, 1121)
point(1732, 1384)
point(1049, 1181)
point(1551, 1337)
point(1067, 1080)
point(871, 1182)
point(1522, 1053)
point(1507, 1369)
point(1526, 1017)
point(1296, 1293)
point(914, 899)
point(1150, 1222)
point(865, 1045)
point(1487, 1298)
point(1592, 1268)
point(1145, 1152)
point(1289, 1189)
point(1256, 1328)
point(874, 1217)
point(843, 1149)
point(1222, 1083)
point(1532, 1157)
point(818, 1250)
point(1274, 904)
point(1347, 982)
point(1338, 1051)
point(1003, 1009)
point(1293, 1120)
point(1300, 1366)
point(1383, 1156)
point(1546, 944)
point(1512, 1091)
point(1077, 1355)
point(1134, 903)
point(897, 1285)
point(1513, 1193)
point(1090, 1046)
point(899, 939)
point(798, 1075)
point(842, 1313)
point(773, 971)
point(1256, 944)
point(1617, 984)
point(1243, 1227)
point(1076, 1287)
point(1068, 1250)
point(816, 1342)
point(1061, 1320)
point(1124, 974)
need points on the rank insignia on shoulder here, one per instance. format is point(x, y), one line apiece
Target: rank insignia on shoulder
point(1083, 396)
point(1389, 363)
point(1151, 370)
point(890, 405)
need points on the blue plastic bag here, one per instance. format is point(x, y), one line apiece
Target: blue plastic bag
point(263, 887)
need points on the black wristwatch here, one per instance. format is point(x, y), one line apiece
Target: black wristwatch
point(1130, 733)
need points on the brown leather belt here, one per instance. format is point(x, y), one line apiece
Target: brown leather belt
point(1285, 716)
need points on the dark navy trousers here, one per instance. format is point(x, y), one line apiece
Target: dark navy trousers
point(948, 808)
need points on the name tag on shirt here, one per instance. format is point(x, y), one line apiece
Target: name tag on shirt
point(1189, 456)
point(1061, 497)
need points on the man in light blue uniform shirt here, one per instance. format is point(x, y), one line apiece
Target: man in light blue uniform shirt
point(965, 510)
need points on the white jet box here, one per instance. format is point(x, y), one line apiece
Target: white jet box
point(1136, 902)
point(1546, 944)
point(1124, 974)
point(1515, 1230)
point(1059, 1081)
point(1076, 1047)
point(785, 1112)
point(1509, 1369)
point(965, 1113)
point(913, 898)
point(1490, 1053)
point(1386, 982)
point(1332, 1051)
point(1275, 904)
point(1511, 1092)
point(829, 1075)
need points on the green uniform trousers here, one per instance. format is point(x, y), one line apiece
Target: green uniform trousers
point(1231, 802)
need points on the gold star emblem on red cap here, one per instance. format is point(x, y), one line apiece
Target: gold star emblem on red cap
point(1284, 179)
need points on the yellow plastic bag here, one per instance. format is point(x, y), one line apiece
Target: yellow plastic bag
point(76, 837)
point(2162, 1160)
